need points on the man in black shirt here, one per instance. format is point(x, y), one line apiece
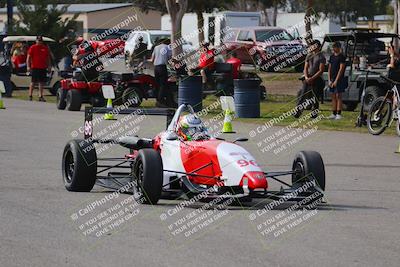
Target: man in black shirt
point(139, 53)
point(337, 81)
point(313, 83)
point(5, 73)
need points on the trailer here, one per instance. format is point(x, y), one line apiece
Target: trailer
point(216, 25)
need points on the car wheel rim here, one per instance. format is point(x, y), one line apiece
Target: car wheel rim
point(68, 101)
point(369, 99)
point(139, 179)
point(69, 167)
point(133, 97)
point(299, 172)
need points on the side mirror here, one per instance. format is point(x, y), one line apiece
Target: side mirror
point(241, 139)
point(172, 137)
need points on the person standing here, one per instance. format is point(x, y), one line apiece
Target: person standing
point(5, 73)
point(394, 58)
point(139, 54)
point(337, 81)
point(206, 63)
point(159, 58)
point(87, 59)
point(18, 58)
point(236, 64)
point(66, 43)
point(38, 62)
point(313, 83)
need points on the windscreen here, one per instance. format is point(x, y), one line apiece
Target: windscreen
point(273, 35)
point(156, 37)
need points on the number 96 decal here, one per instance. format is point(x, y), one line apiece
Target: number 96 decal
point(244, 162)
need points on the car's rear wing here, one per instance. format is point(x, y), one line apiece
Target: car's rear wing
point(89, 111)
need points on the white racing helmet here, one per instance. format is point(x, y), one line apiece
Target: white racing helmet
point(190, 128)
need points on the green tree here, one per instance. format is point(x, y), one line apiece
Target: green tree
point(350, 10)
point(43, 17)
point(266, 4)
point(344, 10)
point(307, 20)
point(146, 5)
point(176, 10)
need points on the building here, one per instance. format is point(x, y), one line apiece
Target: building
point(105, 20)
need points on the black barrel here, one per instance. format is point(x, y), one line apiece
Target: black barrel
point(247, 98)
point(190, 92)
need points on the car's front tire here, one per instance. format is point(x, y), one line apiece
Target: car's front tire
point(74, 100)
point(372, 93)
point(133, 96)
point(148, 176)
point(308, 164)
point(61, 98)
point(79, 165)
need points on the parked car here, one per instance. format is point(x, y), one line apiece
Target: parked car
point(269, 48)
point(22, 79)
point(358, 43)
point(76, 89)
point(150, 38)
point(135, 86)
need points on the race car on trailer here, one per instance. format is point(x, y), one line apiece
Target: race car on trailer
point(169, 166)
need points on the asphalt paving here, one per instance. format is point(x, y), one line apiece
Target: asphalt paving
point(42, 224)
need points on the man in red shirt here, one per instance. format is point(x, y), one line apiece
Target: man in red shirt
point(236, 64)
point(206, 63)
point(38, 62)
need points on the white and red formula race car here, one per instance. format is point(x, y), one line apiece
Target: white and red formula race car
point(166, 166)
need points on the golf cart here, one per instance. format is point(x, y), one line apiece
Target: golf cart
point(20, 79)
point(364, 49)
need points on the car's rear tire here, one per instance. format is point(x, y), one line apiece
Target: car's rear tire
point(61, 98)
point(74, 100)
point(309, 163)
point(372, 92)
point(148, 175)
point(79, 165)
point(98, 100)
point(133, 96)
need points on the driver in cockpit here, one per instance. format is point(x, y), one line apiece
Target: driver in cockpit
point(190, 128)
